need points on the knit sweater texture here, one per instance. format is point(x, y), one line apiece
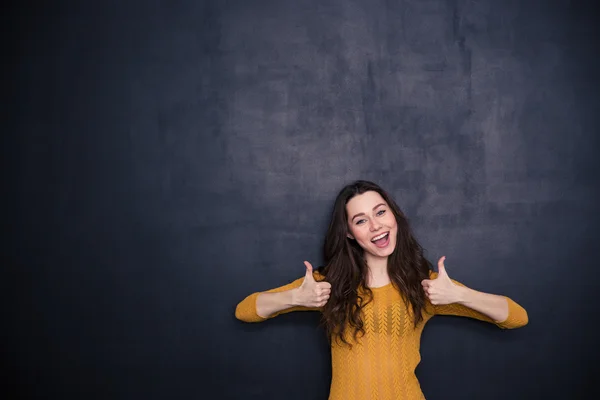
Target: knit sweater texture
point(381, 364)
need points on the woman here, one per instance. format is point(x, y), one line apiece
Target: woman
point(376, 292)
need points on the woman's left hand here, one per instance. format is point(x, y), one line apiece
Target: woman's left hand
point(441, 290)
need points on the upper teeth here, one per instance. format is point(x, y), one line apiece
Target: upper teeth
point(380, 236)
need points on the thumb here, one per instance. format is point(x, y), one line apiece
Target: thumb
point(309, 272)
point(442, 268)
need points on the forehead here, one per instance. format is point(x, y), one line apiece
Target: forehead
point(364, 203)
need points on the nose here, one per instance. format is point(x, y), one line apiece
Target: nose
point(374, 225)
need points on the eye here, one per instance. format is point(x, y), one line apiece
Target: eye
point(360, 221)
point(380, 212)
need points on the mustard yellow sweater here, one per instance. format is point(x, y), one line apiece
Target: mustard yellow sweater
point(381, 364)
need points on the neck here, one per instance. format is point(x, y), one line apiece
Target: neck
point(378, 273)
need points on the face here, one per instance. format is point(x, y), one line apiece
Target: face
point(372, 224)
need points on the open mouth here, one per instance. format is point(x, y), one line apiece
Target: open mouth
point(381, 240)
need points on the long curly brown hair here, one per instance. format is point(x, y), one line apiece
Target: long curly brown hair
point(346, 270)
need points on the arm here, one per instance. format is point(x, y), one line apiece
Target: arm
point(499, 310)
point(270, 303)
point(303, 294)
point(449, 297)
point(491, 305)
point(277, 302)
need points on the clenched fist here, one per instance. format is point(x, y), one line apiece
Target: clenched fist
point(311, 293)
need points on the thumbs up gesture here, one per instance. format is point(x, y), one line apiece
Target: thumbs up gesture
point(311, 293)
point(441, 290)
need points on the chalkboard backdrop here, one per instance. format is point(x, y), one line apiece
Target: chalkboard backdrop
point(164, 159)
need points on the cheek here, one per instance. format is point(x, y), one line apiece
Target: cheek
point(391, 222)
point(354, 232)
point(360, 235)
point(393, 228)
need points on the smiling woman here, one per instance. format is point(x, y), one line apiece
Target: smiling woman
point(372, 229)
point(376, 292)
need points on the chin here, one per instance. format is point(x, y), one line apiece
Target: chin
point(386, 253)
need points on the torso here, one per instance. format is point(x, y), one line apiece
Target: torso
point(381, 364)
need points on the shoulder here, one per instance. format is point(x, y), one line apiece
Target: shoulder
point(318, 276)
point(320, 273)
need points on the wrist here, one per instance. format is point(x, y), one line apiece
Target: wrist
point(293, 298)
point(464, 295)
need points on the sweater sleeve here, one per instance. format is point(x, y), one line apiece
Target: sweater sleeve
point(517, 315)
point(246, 309)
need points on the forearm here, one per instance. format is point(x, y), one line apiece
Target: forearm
point(268, 304)
point(491, 305)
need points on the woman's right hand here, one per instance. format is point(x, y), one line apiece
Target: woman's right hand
point(311, 293)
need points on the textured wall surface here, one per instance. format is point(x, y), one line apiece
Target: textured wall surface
point(167, 158)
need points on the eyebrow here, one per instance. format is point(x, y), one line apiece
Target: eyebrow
point(359, 214)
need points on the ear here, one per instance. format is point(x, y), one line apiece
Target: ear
point(350, 236)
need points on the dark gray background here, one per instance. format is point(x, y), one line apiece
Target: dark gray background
point(167, 158)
